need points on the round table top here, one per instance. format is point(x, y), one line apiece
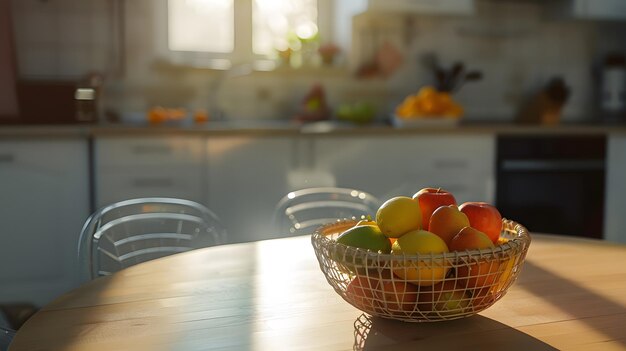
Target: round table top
point(271, 295)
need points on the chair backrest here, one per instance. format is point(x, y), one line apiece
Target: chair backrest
point(138, 230)
point(6, 335)
point(302, 211)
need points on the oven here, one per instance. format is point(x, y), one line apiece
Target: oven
point(552, 184)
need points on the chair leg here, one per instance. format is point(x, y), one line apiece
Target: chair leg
point(17, 314)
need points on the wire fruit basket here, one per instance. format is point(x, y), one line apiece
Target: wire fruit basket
point(416, 287)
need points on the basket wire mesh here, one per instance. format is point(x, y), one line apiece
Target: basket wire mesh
point(418, 287)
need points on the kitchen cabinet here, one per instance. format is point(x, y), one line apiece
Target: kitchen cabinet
point(615, 200)
point(447, 7)
point(132, 167)
point(44, 198)
point(590, 9)
point(387, 166)
point(247, 176)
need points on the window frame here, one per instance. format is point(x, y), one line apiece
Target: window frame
point(242, 52)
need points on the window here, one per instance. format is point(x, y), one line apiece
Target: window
point(222, 33)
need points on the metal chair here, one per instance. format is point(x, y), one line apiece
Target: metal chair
point(301, 211)
point(6, 335)
point(134, 231)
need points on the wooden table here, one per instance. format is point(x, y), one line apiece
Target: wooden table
point(271, 295)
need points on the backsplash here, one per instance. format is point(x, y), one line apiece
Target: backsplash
point(515, 45)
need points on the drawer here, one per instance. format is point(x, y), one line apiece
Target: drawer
point(455, 154)
point(35, 155)
point(149, 151)
point(181, 182)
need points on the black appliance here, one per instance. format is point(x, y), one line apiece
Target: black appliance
point(552, 184)
point(38, 100)
point(8, 72)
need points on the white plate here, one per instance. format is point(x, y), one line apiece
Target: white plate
point(428, 122)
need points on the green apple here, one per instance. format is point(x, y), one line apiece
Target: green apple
point(446, 298)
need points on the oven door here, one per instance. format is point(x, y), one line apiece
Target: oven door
point(553, 195)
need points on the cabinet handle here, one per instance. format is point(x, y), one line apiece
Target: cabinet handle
point(7, 158)
point(151, 149)
point(552, 165)
point(152, 182)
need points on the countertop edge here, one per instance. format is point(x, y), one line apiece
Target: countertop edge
point(289, 129)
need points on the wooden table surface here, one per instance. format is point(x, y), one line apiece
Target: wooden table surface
point(271, 295)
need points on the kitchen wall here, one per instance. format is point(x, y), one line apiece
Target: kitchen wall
point(516, 46)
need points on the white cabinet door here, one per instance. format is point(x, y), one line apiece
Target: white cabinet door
point(615, 202)
point(447, 7)
point(132, 167)
point(44, 196)
point(590, 9)
point(388, 166)
point(606, 9)
point(247, 177)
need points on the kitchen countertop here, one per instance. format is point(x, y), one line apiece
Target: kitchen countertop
point(279, 127)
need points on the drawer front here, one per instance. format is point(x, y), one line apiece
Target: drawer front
point(182, 182)
point(149, 151)
point(459, 154)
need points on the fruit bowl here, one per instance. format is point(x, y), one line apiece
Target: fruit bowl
point(435, 287)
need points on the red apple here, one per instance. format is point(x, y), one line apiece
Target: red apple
point(476, 273)
point(469, 239)
point(447, 221)
point(430, 199)
point(481, 274)
point(484, 217)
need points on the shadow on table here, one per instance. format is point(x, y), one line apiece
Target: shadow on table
point(472, 333)
point(569, 297)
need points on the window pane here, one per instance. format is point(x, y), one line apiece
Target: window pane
point(201, 25)
point(275, 20)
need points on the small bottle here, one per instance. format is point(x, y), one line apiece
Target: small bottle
point(86, 108)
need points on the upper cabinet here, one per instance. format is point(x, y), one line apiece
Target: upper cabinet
point(442, 7)
point(577, 9)
point(590, 9)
